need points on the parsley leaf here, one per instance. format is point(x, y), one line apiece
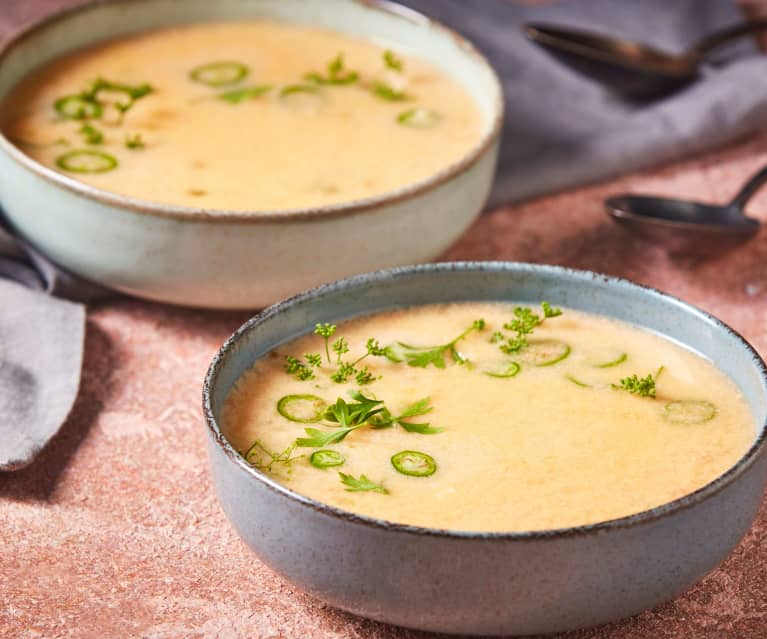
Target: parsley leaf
point(388, 93)
point(355, 485)
point(422, 356)
point(525, 322)
point(392, 61)
point(337, 73)
point(92, 134)
point(259, 456)
point(642, 386)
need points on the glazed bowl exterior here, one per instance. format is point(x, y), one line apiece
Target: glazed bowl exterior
point(243, 259)
point(494, 583)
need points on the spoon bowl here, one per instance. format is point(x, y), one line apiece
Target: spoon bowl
point(682, 226)
point(636, 70)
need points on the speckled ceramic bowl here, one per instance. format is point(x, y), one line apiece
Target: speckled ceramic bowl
point(243, 259)
point(494, 583)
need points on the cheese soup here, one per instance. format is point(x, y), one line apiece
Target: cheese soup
point(488, 417)
point(253, 115)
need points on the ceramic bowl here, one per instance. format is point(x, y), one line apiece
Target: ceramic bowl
point(243, 259)
point(488, 583)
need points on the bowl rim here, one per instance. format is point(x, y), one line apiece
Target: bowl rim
point(243, 216)
point(744, 462)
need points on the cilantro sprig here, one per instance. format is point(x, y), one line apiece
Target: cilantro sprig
point(336, 73)
point(361, 484)
point(422, 356)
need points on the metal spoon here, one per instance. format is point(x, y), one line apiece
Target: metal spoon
point(637, 70)
point(683, 226)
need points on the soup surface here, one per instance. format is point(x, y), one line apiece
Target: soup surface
point(253, 115)
point(543, 424)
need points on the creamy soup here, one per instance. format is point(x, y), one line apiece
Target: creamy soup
point(253, 115)
point(526, 422)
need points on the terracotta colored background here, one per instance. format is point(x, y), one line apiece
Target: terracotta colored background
point(115, 531)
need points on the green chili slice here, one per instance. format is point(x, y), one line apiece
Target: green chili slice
point(576, 381)
point(419, 118)
point(326, 458)
point(302, 408)
point(86, 161)
point(689, 411)
point(413, 463)
point(619, 359)
point(219, 74)
point(544, 352)
point(78, 107)
point(508, 370)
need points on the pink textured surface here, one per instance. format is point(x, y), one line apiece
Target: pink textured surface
point(115, 531)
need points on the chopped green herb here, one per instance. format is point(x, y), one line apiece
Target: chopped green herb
point(642, 386)
point(92, 134)
point(292, 89)
point(340, 347)
point(313, 359)
point(349, 416)
point(422, 356)
point(337, 73)
point(134, 142)
point(525, 322)
point(388, 93)
point(259, 456)
point(392, 61)
point(219, 74)
point(248, 93)
point(295, 367)
point(343, 373)
point(421, 407)
point(302, 408)
point(326, 331)
point(414, 463)
point(86, 161)
point(326, 458)
point(419, 118)
point(364, 376)
point(363, 484)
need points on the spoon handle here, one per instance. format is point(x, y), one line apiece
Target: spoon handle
point(719, 38)
point(749, 189)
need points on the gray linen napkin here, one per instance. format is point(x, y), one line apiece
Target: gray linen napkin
point(561, 129)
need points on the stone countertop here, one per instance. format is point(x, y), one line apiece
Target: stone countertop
point(115, 530)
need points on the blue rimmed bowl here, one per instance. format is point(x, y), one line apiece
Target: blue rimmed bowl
point(489, 583)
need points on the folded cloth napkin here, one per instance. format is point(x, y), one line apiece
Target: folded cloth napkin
point(561, 129)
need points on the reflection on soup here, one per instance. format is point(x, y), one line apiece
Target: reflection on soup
point(488, 417)
point(253, 115)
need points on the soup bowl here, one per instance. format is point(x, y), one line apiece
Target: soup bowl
point(488, 583)
point(243, 258)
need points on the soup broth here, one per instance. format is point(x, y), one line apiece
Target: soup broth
point(492, 417)
point(253, 115)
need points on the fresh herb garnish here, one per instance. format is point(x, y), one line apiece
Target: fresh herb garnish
point(422, 356)
point(416, 409)
point(419, 118)
point(88, 104)
point(524, 323)
point(349, 416)
point(642, 386)
point(297, 368)
point(259, 456)
point(134, 142)
point(388, 92)
point(392, 61)
point(91, 134)
point(326, 331)
point(337, 73)
point(363, 484)
point(240, 95)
